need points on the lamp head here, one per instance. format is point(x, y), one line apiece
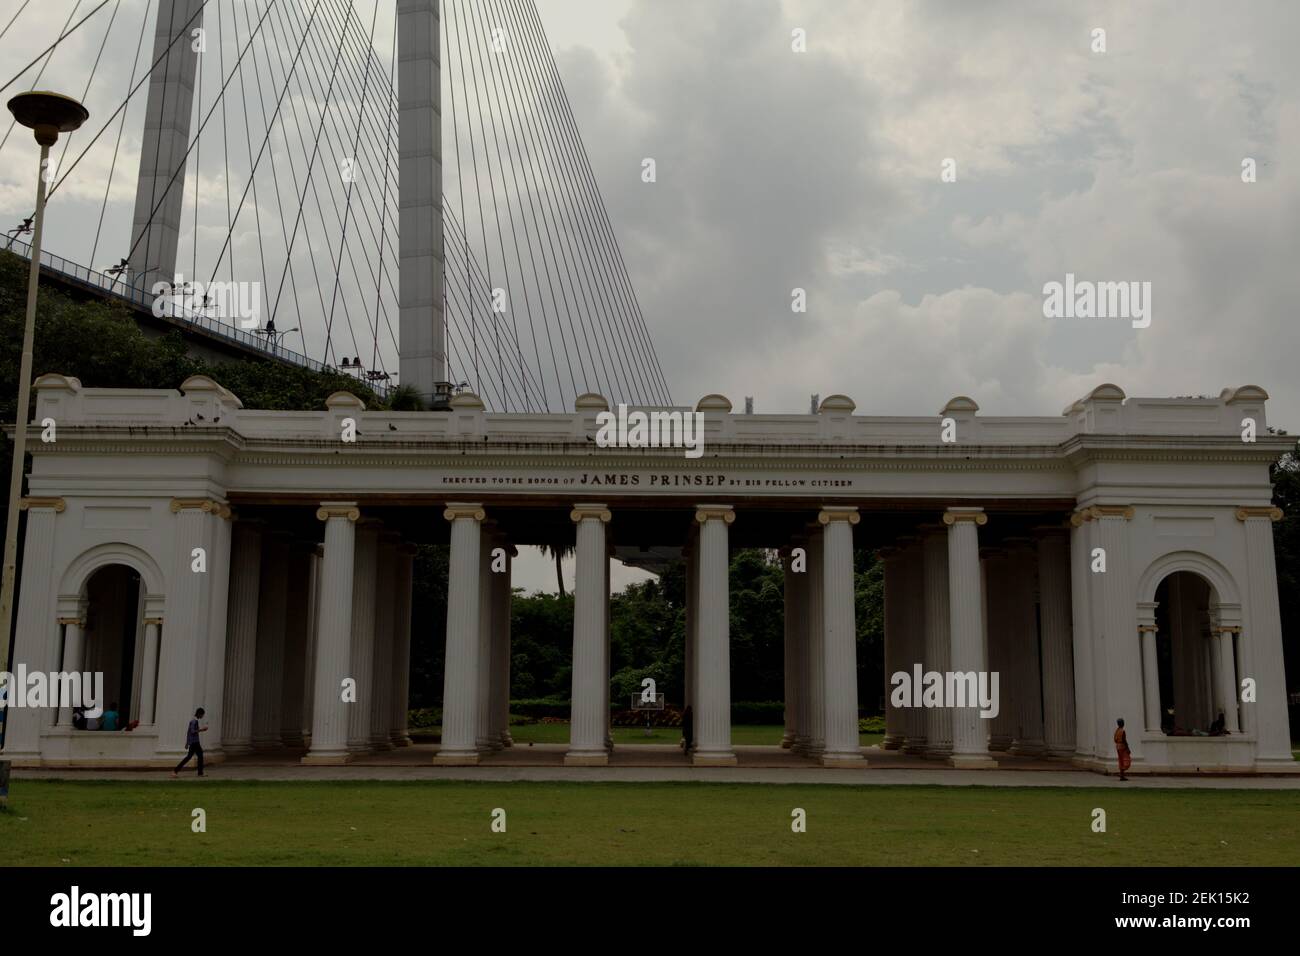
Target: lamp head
point(48, 114)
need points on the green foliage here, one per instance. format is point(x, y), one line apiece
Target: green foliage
point(871, 725)
point(757, 712)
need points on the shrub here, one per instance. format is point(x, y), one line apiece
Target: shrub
point(758, 712)
point(542, 707)
point(871, 725)
point(422, 718)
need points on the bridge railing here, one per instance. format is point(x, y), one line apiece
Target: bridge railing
point(116, 288)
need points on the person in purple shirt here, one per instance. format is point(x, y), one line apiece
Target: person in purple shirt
point(192, 742)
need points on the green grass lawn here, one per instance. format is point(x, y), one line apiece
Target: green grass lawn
point(87, 823)
point(740, 734)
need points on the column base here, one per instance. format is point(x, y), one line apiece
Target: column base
point(914, 745)
point(1027, 748)
point(380, 742)
point(716, 759)
point(456, 758)
point(787, 742)
point(892, 742)
point(972, 762)
point(262, 744)
point(999, 742)
point(940, 752)
point(293, 741)
point(328, 759)
point(844, 761)
point(237, 749)
point(506, 739)
point(586, 759)
point(400, 739)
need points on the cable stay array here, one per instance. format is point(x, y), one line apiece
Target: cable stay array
point(290, 191)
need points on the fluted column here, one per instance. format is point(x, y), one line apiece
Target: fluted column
point(149, 671)
point(1223, 646)
point(1261, 641)
point(268, 684)
point(1150, 667)
point(329, 722)
point(460, 673)
point(934, 558)
point(840, 640)
point(381, 698)
point(1001, 658)
point(966, 633)
point(363, 635)
point(1057, 641)
point(588, 724)
point(402, 583)
point(713, 716)
point(74, 653)
point(895, 732)
point(1027, 694)
point(484, 737)
point(796, 616)
point(609, 657)
point(913, 563)
point(1085, 722)
point(241, 638)
point(691, 606)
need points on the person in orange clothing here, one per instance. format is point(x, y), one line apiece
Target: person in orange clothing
point(1121, 748)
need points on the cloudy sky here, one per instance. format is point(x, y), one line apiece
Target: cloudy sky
point(821, 170)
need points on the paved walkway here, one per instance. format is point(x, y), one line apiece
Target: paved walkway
point(648, 763)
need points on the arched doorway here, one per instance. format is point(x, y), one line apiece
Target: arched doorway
point(1189, 691)
point(113, 637)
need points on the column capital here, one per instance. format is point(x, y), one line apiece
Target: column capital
point(202, 504)
point(954, 515)
point(588, 509)
point(831, 513)
point(705, 513)
point(338, 509)
point(1226, 629)
point(153, 620)
point(1271, 512)
point(461, 509)
point(79, 621)
point(58, 504)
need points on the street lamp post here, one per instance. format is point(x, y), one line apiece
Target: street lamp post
point(47, 115)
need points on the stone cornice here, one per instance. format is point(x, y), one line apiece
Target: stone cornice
point(206, 505)
point(57, 504)
point(1271, 512)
